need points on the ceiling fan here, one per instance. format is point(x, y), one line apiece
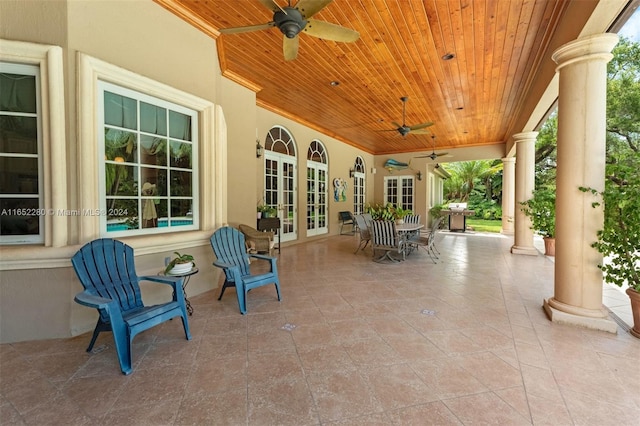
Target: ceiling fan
point(403, 129)
point(292, 20)
point(433, 154)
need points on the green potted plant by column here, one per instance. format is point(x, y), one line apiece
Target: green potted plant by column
point(541, 208)
point(619, 239)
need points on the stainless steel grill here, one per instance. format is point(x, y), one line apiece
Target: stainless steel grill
point(458, 213)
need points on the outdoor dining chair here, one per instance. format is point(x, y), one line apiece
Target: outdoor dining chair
point(230, 249)
point(106, 270)
point(426, 240)
point(384, 237)
point(346, 218)
point(365, 232)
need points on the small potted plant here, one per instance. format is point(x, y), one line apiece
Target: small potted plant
point(266, 211)
point(541, 208)
point(400, 213)
point(180, 264)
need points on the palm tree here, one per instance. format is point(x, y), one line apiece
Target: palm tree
point(466, 175)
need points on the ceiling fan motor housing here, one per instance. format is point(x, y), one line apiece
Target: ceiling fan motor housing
point(289, 21)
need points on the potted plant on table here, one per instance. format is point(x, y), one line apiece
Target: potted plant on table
point(387, 212)
point(180, 264)
point(619, 239)
point(541, 208)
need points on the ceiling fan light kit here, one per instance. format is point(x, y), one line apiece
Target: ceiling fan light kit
point(403, 129)
point(433, 154)
point(292, 20)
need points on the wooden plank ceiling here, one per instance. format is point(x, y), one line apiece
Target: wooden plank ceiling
point(473, 99)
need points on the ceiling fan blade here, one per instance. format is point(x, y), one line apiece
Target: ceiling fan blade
point(396, 124)
point(308, 8)
point(271, 5)
point(421, 125)
point(419, 132)
point(329, 31)
point(247, 29)
point(290, 47)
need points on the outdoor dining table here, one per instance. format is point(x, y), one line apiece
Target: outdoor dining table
point(405, 230)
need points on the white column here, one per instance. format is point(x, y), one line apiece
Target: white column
point(582, 102)
point(508, 194)
point(525, 183)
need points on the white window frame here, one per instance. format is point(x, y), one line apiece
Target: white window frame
point(212, 147)
point(359, 186)
point(400, 182)
point(141, 97)
point(319, 193)
point(49, 60)
point(38, 212)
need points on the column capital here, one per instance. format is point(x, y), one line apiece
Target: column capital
point(598, 46)
point(525, 136)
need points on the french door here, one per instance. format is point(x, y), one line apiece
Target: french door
point(280, 191)
point(316, 198)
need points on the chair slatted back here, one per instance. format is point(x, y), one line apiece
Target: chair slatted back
point(106, 268)
point(412, 218)
point(384, 233)
point(435, 226)
point(362, 227)
point(229, 247)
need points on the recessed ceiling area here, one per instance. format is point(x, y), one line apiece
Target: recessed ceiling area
point(467, 66)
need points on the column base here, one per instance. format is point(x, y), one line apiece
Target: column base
point(529, 251)
point(507, 231)
point(601, 322)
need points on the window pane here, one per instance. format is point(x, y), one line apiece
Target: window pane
point(19, 216)
point(179, 126)
point(120, 145)
point(19, 135)
point(121, 179)
point(18, 93)
point(153, 119)
point(181, 183)
point(120, 111)
point(180, 155)
point(153, 150)
point(181, 212)
point(155, 177)
point(122, 214)
point(18, 175)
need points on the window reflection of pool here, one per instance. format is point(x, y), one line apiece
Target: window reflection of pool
point(162, 223)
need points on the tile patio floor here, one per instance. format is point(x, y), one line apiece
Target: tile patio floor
point(464, 341)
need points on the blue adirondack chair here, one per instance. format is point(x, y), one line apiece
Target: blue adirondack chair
point(106, 270)
point(231, 252)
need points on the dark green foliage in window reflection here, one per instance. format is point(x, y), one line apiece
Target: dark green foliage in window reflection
point(180, 155)
point(153, 150)
point(181, 183)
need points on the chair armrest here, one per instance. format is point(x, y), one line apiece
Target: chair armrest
point(222, 265)
point(162, 279)
point(263, 257)
point(91, 300)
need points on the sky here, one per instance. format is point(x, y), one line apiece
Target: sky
point(631, 29)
